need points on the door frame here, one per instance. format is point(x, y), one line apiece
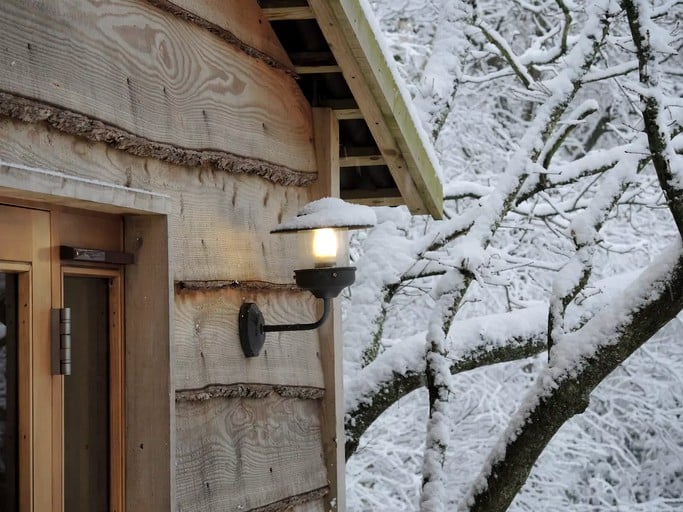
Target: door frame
point(149, 406)
point(28, 257)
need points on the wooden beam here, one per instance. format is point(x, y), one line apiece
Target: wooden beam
point(375, 193)
point(361, 161)
point(340, 103)
point(348, 114)
point(316, 70)
point(150, 405)
point(56, 187)
point(371, 81)
point(311, 58)
point(375, 201)
point(288, 13)
point(326, 129)
point(374, 197)
point(193, 100)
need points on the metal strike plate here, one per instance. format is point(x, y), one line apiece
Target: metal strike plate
point(95, 255)
point(61, 341)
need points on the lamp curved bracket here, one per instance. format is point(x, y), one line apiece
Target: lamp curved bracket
point(253, 328)
point(324, 283)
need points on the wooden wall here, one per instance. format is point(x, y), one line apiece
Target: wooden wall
point(194, 100)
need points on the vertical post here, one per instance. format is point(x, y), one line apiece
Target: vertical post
point(326, 129)
point(150, 396)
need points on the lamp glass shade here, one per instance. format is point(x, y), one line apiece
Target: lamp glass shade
point(325, 247)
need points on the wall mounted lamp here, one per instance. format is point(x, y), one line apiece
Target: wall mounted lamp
point(326, 218)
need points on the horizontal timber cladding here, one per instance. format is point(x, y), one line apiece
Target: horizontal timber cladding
point(209, 360)
point(220, 223)
point(238, 22)
point(310, 506)
point(248, 454)
point(153, 84)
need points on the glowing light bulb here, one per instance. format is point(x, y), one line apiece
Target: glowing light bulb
point(325, 247)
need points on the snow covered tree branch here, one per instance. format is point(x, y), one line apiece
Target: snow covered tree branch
point(556, 192)
point(401, 369)
point(579, 364)
point(650, 39)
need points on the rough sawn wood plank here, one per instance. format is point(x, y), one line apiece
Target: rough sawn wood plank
point(244, 454)
point(150, 83)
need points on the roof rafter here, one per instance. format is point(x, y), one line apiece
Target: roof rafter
point(374, 88)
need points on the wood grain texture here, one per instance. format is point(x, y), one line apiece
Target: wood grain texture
point(32, 111)
point(150, 404)
point(238, 22)
point(288, 13)
point(148, 82)
point(220, 223)
point(305, 501)
point(208, 349)
point(54, 187)
point(245, 454)
point(310, 506)
point(221, 229)
point(29, 255)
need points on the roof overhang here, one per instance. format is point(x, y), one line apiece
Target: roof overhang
point(378, 100)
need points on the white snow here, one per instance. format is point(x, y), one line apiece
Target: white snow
point(400, 87)
point(602, 218)
point(329, 212)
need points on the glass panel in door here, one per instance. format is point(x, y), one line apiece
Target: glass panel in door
point(86, 397)
point(9, 394)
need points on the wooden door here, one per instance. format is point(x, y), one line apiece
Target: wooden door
point(32, 468)
point(61, 437)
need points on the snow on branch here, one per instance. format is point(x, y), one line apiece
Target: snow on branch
point(548, 177)
point(580, 113)
point(462, 189)
point(493, 37)
point(474, 230)
point(472, 343)
point(650, 39)
point(579, 362)
point(572, 279)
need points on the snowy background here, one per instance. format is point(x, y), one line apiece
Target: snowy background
point(626, 451)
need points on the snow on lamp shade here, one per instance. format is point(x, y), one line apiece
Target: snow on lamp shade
point(329, 212)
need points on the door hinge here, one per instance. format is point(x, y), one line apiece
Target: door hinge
point(61, 341)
